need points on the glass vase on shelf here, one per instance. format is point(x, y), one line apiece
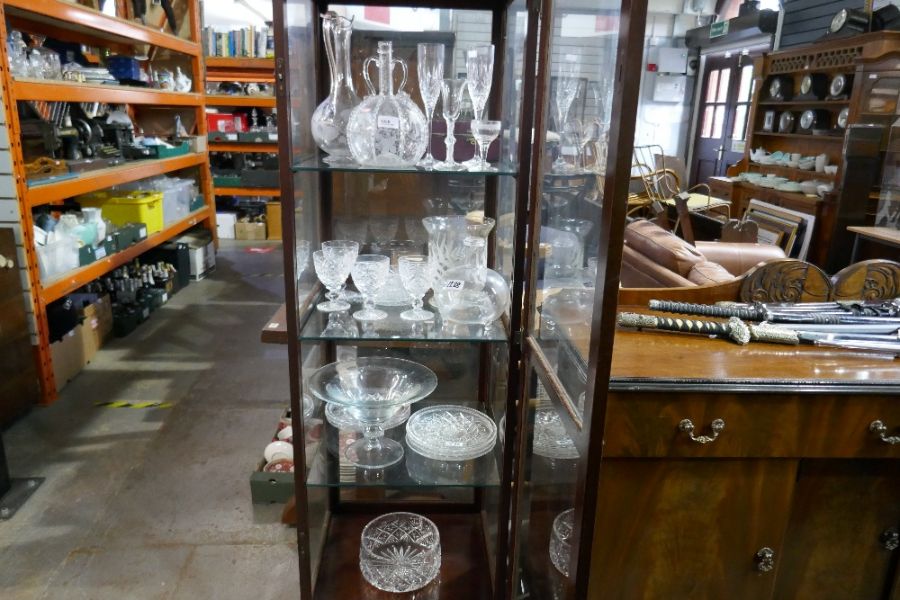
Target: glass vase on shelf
point(387, 129)
point(446, 237)
point(329, 121)
point(472, 294)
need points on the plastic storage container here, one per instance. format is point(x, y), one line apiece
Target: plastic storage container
point(134, 207)
point(57, 257)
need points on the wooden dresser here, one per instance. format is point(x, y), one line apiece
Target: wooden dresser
point(794, 497)
point(18, 376)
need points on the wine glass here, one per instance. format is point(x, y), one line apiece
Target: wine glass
point(370, 273)
point(431, 75)
point(451, 100)
point(484, 132)
point(415, 275)
point(479, 75)
point(302, 253)
point(332, 273)
point(347, 251)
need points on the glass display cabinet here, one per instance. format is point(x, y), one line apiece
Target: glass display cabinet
point(512, 521)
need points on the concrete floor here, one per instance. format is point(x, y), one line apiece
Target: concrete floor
point(155, 503)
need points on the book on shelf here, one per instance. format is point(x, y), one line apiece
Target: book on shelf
point(244, 42)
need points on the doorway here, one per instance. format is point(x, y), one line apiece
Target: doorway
point(726, 95)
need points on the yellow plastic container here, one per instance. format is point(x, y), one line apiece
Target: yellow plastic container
point(133, 207)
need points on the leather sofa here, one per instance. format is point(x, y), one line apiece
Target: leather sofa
point(656, 258)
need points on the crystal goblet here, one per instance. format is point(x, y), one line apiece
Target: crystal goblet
point(344, 250)
point(373, 389)
point(415, 275)
point(484, 132)
point(400, 552)
point(479, 76)
point(370, 272)
point(430, 67)
point(451, 106)
point(332, 273)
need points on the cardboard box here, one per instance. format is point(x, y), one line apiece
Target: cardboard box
point(273, 220)
point(98, 324)
point(202, 252)
point(250, 231)
point(225, 222)
point(68, 356)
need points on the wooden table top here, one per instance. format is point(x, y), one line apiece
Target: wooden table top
point(888, 235)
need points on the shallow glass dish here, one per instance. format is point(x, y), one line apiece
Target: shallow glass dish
point(339, 416)
point(371, 389)
point(551, 440)
point(448, 432)
point(561, 540)
point(400, 552)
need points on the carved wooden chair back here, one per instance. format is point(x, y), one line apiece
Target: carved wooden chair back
point(786, 280)
point(877, 279)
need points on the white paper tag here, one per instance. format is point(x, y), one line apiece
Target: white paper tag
point(142, 232)
point(454, 284)
point(100, 252)
point(273, 137)
point(231, 137)
point(472, 54)
point(165, 297)
point(385, 122)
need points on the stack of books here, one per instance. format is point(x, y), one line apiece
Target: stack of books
point(245, 42)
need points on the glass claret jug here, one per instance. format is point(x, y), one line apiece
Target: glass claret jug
point(387, 129)
point(329, 121)
point(472, 294)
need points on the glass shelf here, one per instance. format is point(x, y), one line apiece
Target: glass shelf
point(329, 468)
point(343, 327)
point(315, 164)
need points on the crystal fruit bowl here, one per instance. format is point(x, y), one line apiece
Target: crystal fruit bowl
point(373, 389)
point(561, 540)
point(400, 552)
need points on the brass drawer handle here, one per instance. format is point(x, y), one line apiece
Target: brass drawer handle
point(765, 560)
point(881, 430)
point(687, 426)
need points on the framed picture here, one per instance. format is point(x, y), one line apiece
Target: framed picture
point(772, 214)
point(769, 121)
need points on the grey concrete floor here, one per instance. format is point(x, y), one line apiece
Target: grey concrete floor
point(155, 503)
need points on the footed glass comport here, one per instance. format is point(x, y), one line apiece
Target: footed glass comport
point(373, 389)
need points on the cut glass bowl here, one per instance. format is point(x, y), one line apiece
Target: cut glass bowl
point(452, 433)
point(561, 540)
point(400, 552)
point(371, 389)
point(340, 417)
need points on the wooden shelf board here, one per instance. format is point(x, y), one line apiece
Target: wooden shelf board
point(93, 25)
point(249, 147)
point(259, 101)
point(71, 281)
point(464, 561)
point(826, 103)
point(237, 191)
point(92, 181)
point(801, 136)
point(67, 91)
point(243, 63)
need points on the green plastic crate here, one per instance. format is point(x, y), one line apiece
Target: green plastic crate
point(177, 149)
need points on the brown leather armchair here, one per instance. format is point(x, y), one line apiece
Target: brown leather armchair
point(656, 258)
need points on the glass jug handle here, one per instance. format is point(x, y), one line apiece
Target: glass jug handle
point(365, 71)
point(405, 73)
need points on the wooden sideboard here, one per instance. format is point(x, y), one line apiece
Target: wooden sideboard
point(794, 498)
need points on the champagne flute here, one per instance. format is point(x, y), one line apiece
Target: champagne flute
point(567, 86)
point(430, 68)
point(451, 105)
point(479, 75)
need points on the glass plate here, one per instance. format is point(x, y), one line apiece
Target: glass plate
point(550, 437)
point(451, 433)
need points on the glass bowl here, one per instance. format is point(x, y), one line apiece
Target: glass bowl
point(551, 440)
point(561, 540)
point(371, 389)
point(400, 552)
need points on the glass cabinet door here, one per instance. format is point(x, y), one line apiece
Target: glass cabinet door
point(457, 218)
point(585, 130)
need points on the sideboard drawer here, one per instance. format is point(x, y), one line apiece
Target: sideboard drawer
point(750, 425)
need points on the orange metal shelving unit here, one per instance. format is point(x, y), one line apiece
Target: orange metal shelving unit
point(260, 70)
point(71, 22)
